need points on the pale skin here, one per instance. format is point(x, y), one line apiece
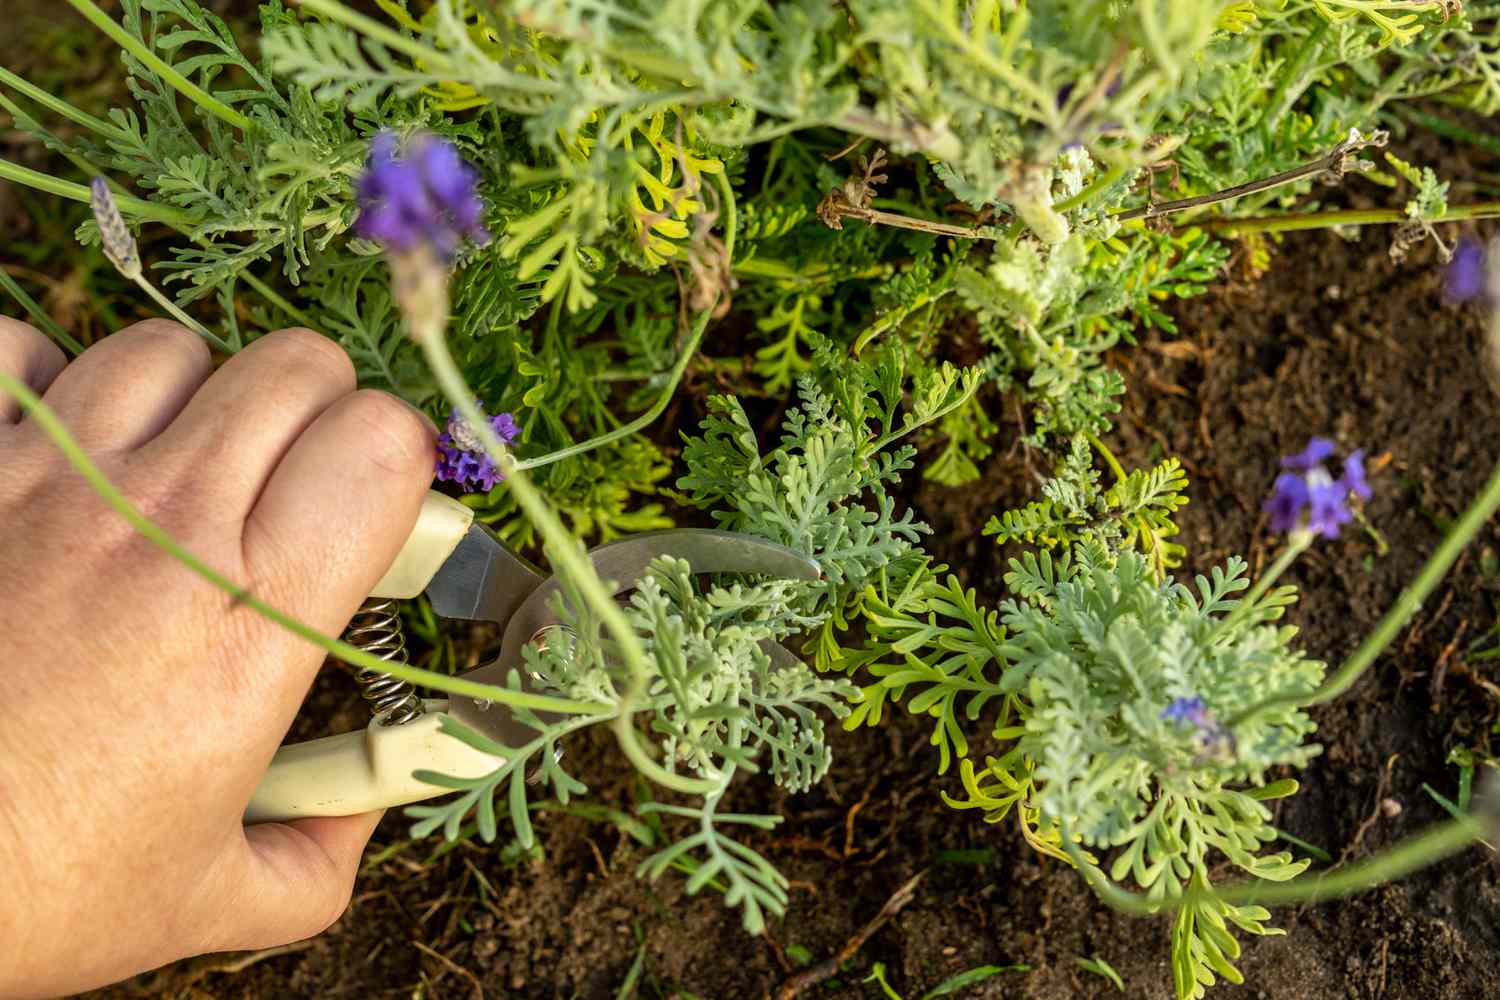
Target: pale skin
point(140, 705)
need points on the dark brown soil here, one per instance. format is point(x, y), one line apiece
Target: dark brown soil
point(1335, 340)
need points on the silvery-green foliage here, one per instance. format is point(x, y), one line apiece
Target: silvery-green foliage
point(722, 696)
point(1075, 674)
point(1136, 511)
point(1100, 648)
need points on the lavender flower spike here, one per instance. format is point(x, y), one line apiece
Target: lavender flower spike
point(1308, 498)
point(119, 246)
point(461, 456)
point(424, 196)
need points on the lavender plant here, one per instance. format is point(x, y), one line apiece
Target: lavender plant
point(1137, 717)
point(583, 202)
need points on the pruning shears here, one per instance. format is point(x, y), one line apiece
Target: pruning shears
point(467, 573)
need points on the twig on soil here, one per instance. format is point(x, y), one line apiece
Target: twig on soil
point(1375, 813)
point(1440, 670)
point(453, 966)
point(829, 967)
point(849, 823)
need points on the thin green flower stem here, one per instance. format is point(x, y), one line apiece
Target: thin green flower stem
point(1417, 852)
point(57, 105)
point(176, 312)
point(1297, 543)
point(434, 60)
point(137, 207)
point(47, 420)
point(569, 558)
point(674, 378)
point(274, 297)
point(28, 123)
point(39, 315)
point(1401, 612)
point(1345, 217)
point(157, 65)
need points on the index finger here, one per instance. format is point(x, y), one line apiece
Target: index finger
point(334, 514)
point(29, 356)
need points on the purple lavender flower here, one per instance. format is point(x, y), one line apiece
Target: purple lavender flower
point(1318, 451)
point(1465, 279)
point(1354, 476)
point(462, 458)
point(1190, 710)
point(1214, 740)
point(426, 197)
point(1327, 506)
point(1288, 498)
point(1308, 498)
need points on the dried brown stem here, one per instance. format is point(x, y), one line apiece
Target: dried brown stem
point(827, 968)
point(1336, 163)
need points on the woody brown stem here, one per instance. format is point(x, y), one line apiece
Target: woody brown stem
point(1334, 162)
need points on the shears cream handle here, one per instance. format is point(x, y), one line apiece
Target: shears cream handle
point(440, 527)
point(372, 768)
point(364, 770)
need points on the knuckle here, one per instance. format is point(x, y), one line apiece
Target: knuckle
point(166, 338)
point(22, 346)
point(391, 434)
point(308, 351)
point(16, 336)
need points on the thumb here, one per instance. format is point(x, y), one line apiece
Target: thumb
point(299, 879)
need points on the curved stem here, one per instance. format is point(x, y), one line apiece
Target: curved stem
point(431, 59)
point(44, 418)
point(568, 556)
point(1109, 456)
point(176, 312)
point(137, 207)
point(1417, 852)
point(1297, 543)
point(57, 105)
point(674, 378)
point(160, 67)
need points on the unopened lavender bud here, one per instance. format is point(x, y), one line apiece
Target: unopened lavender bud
point(119, 245)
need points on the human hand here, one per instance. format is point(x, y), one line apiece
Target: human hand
point(141, 706)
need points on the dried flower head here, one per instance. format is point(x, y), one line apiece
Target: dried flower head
point(461, 456)
point(423, 196)
point(119, 245)
point(1308, 498)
